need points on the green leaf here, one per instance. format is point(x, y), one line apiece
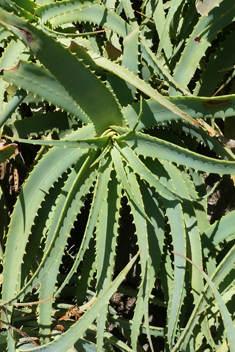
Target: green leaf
point(92, 95)
point(142, 303)
point(9, 58)
point(156, 148)
point(154, 113)
point(89, 11)
point(43, 124)
point(124, 91)
point(120, 170)
point(140, 168)
point(12, 106)
point(100, 188)
point(220, 231)
point(156, 233)
point(165, 33)
point(7, 152)
point(142, 86)
point(38, 81)
point(195, 49)
point(228, 323)
point(157, 9)
point(68, 205)
point(93, 143)
point(56, 162)
point(25, 8)
point(106, 238)
point(175, 216)
point(77, 330)
point(215, 71)
point(194, 240)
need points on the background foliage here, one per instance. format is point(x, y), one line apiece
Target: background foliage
point(112, 115)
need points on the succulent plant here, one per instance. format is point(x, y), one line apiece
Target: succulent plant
point(128, 108)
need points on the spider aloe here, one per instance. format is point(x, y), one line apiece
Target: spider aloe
point(111, 136)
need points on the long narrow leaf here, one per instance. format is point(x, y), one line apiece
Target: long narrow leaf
point(76, 331)
point(228, 323)
point(104, 110)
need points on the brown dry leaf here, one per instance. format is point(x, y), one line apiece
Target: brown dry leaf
point(233, 179)
point(227, 141)
point(60, 328)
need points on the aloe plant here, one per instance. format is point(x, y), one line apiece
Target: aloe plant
point(110, 135)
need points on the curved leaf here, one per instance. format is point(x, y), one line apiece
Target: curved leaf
point(77, 330)
point(156, 148)
point(104, 110)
